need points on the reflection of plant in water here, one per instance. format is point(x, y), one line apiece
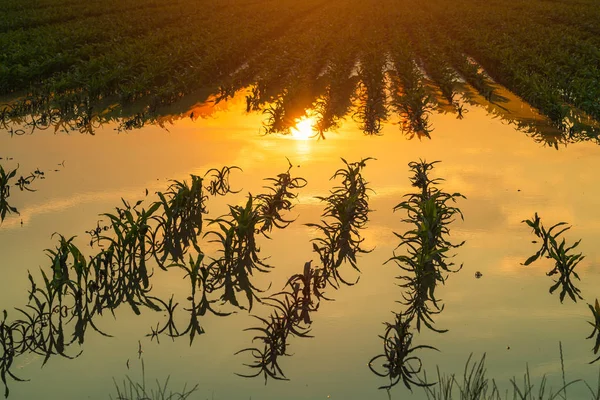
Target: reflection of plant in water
point(7, 345)
point(5, 178)
point(399, 362)
point(347, 208)
point(23, 183)
point(410, 97)
point(564, 260)
point(426, 244)
point(79, 288)
point(426, 261)
point(291, 316)
point(339, 243)
point(372, 109)
point(596, 324)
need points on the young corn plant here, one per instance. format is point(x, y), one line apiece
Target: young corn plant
point(290, 318)
point(346, 214)
point(77, 288)
point(180, 224)
point(426, 260)
point(340, 242)
point(564, 259)
point(398, 361)
point(372, 111)
point(5, 178)
point(595, 309)
point(237, 236)
point(424, 263)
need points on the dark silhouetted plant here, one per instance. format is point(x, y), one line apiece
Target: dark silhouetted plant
point(596, 325)
point(398, 361)
point(564, 260)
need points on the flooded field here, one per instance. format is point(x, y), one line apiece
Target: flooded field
point(493, 305)
point(307, 200)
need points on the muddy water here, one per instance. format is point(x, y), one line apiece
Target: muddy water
point(507, 313)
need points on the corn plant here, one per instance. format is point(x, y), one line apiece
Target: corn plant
point(399, 362)
point(564, 260)
point(596, 325)
point(291, 317)
point(279, 198)
point(430, 212)
point(346, 213)
point(372, 111)
point(339, 243)
point(5, 178)
point(237, 236)
point(424, 264)
point(181, 223)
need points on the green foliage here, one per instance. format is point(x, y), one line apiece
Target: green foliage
point(71, 67)
point(346, 213)
point(5, 178)
point(595, 309)
point(338, 243)
point(424, 264)
point(564, 260)
point(399, 364)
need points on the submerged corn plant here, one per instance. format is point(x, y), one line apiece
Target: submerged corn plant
point(426, 245)
point(5, 178)
point(75, 289)
point(278, 198)
point(291, 317)
point(339, 242)
point(237, 235)
point(596, 325)
point(398, 363)
point(564, 259)
point(424, 264)
point(8, 349)
point(346, 214)
point(181, 223)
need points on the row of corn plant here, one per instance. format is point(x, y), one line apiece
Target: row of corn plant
point(79, 289)
point(338, 242)
point(425, 264)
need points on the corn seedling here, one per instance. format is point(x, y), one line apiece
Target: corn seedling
point(346, 213)
point(596, 332)
point(430, 212)
point(398, 361)
point(564, 260)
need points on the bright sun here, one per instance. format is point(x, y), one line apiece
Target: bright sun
point(303, 129)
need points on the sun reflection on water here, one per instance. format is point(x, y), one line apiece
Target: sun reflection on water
point(304, 128)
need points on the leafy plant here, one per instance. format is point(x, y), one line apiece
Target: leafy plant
point(399, 364)
point(564, 260)
point(425, 262)
point(596, 325)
